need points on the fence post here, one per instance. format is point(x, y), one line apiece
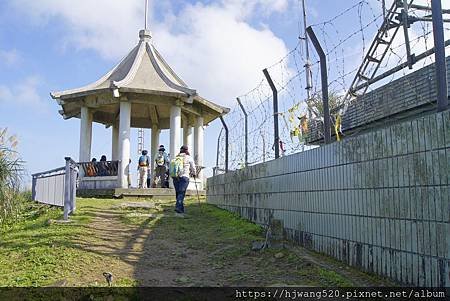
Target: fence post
point(33, 187)
point(226, 142)
point(275, 113)
point(217, 153)
point(73, 185)
point(439, 55)
point(246, 130)
point(67, 190)
point(324, 80)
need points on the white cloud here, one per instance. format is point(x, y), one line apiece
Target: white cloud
point(214, 47)
point(216, 52)
point(248, 8)
point(104, 25)
point(9, 57)
point(24, 93)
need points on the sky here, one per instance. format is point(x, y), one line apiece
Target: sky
point(218, 47)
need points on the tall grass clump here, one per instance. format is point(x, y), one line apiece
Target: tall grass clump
point(11, 169)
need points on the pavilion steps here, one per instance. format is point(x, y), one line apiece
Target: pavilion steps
point(153, 193)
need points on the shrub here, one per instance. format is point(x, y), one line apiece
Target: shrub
point(11, 169)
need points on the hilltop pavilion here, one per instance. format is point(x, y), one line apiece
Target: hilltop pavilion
point(142, 91)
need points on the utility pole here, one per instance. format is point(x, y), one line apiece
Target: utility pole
point(308, 62)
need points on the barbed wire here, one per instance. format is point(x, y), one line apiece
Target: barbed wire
point(344, 48)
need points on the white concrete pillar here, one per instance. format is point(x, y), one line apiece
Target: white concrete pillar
point(124, 142)
point(85, 134)
point(198, 144)
point(154, 145)
point(188, 135)
point(175, 133)
point(115, 143)
point(175, 130)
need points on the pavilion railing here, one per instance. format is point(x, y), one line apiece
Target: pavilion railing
point(57, 187)
point(99, 168)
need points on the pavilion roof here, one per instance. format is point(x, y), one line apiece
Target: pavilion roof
point(142, 71)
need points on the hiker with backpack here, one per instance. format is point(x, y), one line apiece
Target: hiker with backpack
point(161, 167)
point(143, 164)
point(181, 167)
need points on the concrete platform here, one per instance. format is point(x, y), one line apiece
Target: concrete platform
point(95, 193)
point(152, 192)
point(157, 193)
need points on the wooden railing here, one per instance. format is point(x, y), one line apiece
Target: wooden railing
point(99, 168)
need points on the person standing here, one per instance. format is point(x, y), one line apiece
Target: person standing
point(143, 164)
point(161, 167)
point(181, 167)
point(149, 178)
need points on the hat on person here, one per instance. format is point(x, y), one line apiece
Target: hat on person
point(161, 148)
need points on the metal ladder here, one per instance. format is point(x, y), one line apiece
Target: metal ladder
point(376, 53)
point(140, 140)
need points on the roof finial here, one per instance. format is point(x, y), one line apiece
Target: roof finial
point(146, 11)
point(145, 34)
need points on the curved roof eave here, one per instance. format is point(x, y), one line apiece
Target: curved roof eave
point(75, 94)
point(91, 86)
point(219, 109)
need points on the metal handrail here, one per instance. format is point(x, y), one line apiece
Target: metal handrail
point(39, 174)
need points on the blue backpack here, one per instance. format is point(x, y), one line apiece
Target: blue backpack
point(143, 160)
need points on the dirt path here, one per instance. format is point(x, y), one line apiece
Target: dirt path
point(209, 247)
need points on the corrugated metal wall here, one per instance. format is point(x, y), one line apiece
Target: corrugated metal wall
point(380, 201)
point(49, 189)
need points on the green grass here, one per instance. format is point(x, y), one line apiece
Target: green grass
point(331, 278)
point(34, 252)
point(40, 248)
point(137, 216)
point(211, 229)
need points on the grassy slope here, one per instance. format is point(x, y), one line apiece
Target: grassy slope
point(36, 253)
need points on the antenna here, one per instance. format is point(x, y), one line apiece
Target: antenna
point(308, 63)
point(146, 11)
